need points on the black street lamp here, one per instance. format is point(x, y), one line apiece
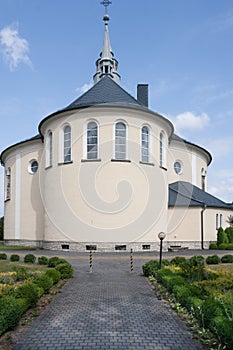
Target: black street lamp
point(161, 236)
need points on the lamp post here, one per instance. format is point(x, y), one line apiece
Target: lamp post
point(161, 236)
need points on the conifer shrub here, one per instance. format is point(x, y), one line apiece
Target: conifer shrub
point(14, 257)
point(150, 267)
point(229, 233)
point(43, 260)
point(30, 258)
point(30, 291)
point(66, 270)
point(221, 237)
point(3, 256)
point(54, 274)
point(44, 281)
point(227, 259)
point(10, 313)
point(213, 260)
point(213, 246)
point(53, 261)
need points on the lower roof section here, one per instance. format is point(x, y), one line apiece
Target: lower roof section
point(184, 194)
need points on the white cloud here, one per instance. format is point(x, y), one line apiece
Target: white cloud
point(84, 88)
point(221, 146)
point(14, 48)
point(190, 121)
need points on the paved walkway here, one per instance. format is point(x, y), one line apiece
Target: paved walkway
point(110, 308)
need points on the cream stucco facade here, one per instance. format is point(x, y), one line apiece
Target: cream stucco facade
point(99, 174)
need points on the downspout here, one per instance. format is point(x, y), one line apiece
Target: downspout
point(202, 226)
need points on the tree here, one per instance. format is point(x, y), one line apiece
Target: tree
point(221, 236)
point(230, 220)
point(1, 227)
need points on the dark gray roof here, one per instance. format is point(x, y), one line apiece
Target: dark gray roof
point(106, 91)
point(184, 194)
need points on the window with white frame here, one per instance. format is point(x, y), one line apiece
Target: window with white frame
point(162, 160)
point(145, 144)
point(8, 185)
point(220, 219)
point(49, 149)
point(120, 141)
point(67, 144)
point(217, 222)
point(92, 140)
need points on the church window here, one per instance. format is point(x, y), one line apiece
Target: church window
point(217, 222)
point(203, 179)
point(120, 141)
point(145, 139)
point(92, 140)
point(220, 217)
point(178, 167)
point(8, 185)
point(49, 149)
point(162, 160)
point(67, 144)
point(33, 166)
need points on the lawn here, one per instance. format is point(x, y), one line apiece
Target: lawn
point(7, 266)
point(16, 247)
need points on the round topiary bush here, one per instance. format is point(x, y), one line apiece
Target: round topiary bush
point(29, 291)
point(223, 246)
point(54, 274)
point(66, 270)
point(150, 267)
point(53, 261)
point(178, 260)
point(44, 282)
point(3, 256)
point(14, 257)
point(230, 246)
point(42, 260)
point(30, 258)
point(213, 246)
point(227, 259)
point(10, 313)
point(213, 260)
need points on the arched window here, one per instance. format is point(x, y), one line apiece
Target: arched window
point(8, 185)
point(120, 141)
point(92, 140)
point(67, 144)
point(49, 149)
point(145, 139)
point(203, 179)
point(162, 152)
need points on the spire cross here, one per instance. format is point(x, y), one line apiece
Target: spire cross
point(106, 3)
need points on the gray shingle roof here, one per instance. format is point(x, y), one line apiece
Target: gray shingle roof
point(185, 194)
point(106, 91)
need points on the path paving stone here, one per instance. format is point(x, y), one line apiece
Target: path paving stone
point(108, 309)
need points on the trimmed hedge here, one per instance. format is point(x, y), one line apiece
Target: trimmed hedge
point(43, 260)
point(213, 246)
point(30, 291)
point(10, 313)
point(30, 258)
point(44, 282)
point(54, 274)
point(66, 270)
point(3, 256)
point(150, 267)
point(213, 260)
point(227, 259)
point(53, 261)
point(14, 257)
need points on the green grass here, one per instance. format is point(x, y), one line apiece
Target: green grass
point(223, 267)
point(6, 266)
point(16, 247)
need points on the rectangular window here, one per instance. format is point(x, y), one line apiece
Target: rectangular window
point(120, 141)
point(217, 222)
point(8, 185)
point(220, 220)
point(146, 246)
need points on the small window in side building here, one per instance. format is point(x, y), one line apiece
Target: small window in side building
point(146, 246)
point(120, 247)
point(178, 167)
point(91, 247)
point(34, 166)
point(65, 246)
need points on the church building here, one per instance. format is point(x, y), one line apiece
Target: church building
point(108, 173)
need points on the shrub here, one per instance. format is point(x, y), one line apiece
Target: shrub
point(3, 256)
point(214, 259)
point(10, 313)
point(175, 280)
point(30, 291)
point(211, 308)
point(54, 274)
point(213, 246)
point(194, 305)
point(53, 261)
point(178, 260)
point(66, 270)
point(223, 246)
point(21, 273)
point(29, 258)
point(194, 268)
point(150, 267)
point(229, 233)
point(227, 259)
point(230, 246)
point(14, 257)
point(221, 236)
point(44, 282)
point(164, 272)
point(224, 329)
point(42, 260)
point(182, 293)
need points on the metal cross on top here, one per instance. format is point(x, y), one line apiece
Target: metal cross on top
point(106, 3)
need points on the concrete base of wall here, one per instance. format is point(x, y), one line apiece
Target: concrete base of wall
point(108, 247)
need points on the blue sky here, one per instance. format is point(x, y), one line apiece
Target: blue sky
point(181, 48)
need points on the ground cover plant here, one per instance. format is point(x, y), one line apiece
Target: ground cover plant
point(23, 283)
point(204, 288)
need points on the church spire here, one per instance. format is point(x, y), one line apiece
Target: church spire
point(106, 64)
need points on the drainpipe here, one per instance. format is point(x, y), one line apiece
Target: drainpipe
point(202, 226)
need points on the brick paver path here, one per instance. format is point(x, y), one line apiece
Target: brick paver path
point(110, 308)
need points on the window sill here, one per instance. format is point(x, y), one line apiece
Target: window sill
point(90, 160)
point(162, 167)
point(64, 163)
point(121, 160)
point(7, 200)
point(147, 163)
point(48, 167)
